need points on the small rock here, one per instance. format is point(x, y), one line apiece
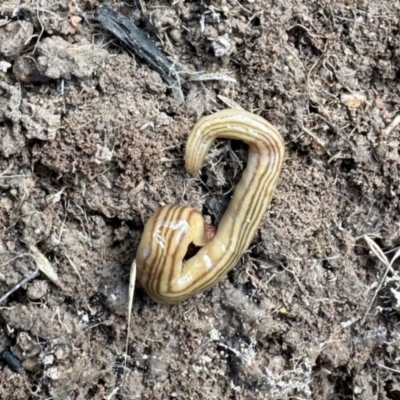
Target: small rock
point(31, 365)
point(4, 66)
point(26, 69)
point(61, 351)
point(54, 373)
point(222, 46)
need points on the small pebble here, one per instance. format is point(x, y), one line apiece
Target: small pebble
point(26, 70)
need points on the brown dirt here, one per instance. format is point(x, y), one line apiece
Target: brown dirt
point(91, 144)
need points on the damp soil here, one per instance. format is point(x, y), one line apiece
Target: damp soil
point(92, 143)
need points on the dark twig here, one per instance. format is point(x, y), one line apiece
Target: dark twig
point(128, 33)
point(13, 362)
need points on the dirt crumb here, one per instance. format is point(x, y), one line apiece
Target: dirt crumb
point(60, 59)
point(14, 37)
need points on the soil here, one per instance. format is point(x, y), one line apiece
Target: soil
point(92, 143)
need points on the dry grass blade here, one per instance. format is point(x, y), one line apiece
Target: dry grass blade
point(395, 257)
point(392, 125)
point(379, 253)
point(218, 76)
point(132, 281)
point(73, 266)
point(230, 103)
point(397, 371)
point(376, 250)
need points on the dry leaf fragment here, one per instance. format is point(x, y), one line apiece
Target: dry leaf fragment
point(354, 100)
point(44, 265)
point(75, 20)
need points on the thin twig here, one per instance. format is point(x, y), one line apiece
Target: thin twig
point(397, 371)
point(21, 283)
point(41, 25)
